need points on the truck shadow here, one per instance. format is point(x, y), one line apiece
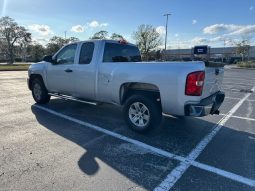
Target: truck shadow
point(138, 165)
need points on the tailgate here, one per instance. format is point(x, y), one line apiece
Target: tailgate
point(213, 78)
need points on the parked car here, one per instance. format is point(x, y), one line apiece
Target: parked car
point(112, 72)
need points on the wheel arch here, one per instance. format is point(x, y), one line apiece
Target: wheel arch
point(131, 88)
point(32, 77)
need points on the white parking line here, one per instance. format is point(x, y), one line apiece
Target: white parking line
point(225, 174)
point(233, 98)
point(238, 117)
point(187, 161)
point(234, 84)
point(239, 79)
point(177, 172)
point(231, 89)
point(113, 134)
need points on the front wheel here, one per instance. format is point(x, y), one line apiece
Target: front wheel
point(39, 92)
point(142, 113)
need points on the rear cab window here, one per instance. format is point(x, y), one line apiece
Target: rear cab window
point(86, 54)
point(118, 52)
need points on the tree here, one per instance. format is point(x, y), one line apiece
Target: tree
point(57, 42)
point(11, 35)
point(100, 35)
point(147, 39)
point(243, 48)
point(105, 35)
point(116, 36)
point(36, 52)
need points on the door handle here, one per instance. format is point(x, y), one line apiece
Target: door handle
point(68, 70)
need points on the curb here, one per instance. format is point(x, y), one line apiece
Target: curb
point(3, 70)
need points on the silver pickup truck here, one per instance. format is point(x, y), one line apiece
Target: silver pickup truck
point(106, 71)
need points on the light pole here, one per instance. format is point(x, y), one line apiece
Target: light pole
point(65, 34)
point(224, 50)
point(166, 15)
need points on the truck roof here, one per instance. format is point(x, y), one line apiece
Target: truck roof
point(106, 40)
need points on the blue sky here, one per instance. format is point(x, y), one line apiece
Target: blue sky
point(212, 22)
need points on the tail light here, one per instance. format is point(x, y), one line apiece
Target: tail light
point(195, 83)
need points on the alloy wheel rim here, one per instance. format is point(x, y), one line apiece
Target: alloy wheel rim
point(37, 91)
point(139, 114)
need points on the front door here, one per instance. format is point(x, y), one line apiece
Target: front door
point(60, 75)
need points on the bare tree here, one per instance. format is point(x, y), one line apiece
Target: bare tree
point(11, 35)
point(243, 48)
point(147, 39)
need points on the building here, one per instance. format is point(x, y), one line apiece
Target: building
point(215, 53)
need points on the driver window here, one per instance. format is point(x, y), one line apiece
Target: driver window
point(67, 55)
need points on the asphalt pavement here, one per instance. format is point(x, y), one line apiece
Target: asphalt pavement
point(66, 145)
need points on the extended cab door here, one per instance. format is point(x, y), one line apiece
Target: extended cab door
point(60, 75)
point(85, 72)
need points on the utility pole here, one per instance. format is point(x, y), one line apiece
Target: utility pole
point(224, 50)
point(166, 15)
point(65, 34)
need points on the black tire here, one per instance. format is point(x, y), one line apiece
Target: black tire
point(41, 97)
point(154, 110)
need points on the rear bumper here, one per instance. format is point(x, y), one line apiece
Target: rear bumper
point(209, 105)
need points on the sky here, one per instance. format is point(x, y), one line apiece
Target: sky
point(216, 23)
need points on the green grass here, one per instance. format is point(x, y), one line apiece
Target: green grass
point(14, 67)
point(249, 64)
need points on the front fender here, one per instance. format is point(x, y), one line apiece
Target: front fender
point(38, 69)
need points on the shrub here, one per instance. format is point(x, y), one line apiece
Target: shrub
point(249, 64)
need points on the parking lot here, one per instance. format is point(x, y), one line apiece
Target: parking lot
point(66, 145)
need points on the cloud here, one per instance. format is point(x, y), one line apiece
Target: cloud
point(41, 40)
point(245, 30)
point(229, 29)
point(194, 21)
point(161, 30)
point(176, 35)
point(217, 39)
point(93, 24)
point(78, 28)
point(96, 24)
point(251, 8)
point(199, 41)
point(43, 30)
point(104, 24)
point(217, 28)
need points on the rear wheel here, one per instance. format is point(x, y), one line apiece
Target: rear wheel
point(39, 92)
point(142, 113)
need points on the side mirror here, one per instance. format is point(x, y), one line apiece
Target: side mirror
point(49, 59)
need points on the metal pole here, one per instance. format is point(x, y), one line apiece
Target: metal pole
point(166, 30)
point(224, 51)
